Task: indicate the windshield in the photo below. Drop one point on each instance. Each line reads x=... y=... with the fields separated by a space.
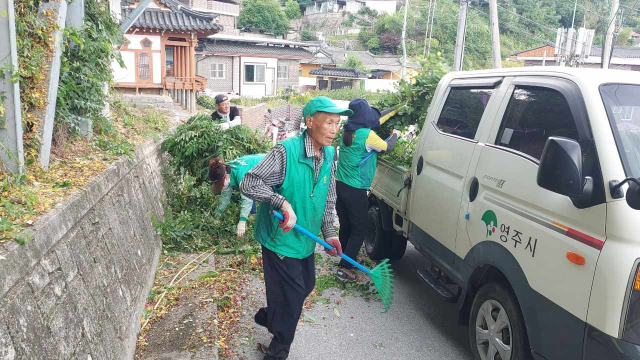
x=622 y=102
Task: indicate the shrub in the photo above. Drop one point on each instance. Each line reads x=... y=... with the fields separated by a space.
x=199 y=140
x=206 y=102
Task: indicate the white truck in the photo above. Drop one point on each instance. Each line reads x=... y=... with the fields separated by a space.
x=523 y=194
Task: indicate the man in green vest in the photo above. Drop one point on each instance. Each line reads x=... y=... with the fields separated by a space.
x=296 y=177
x=226 y=177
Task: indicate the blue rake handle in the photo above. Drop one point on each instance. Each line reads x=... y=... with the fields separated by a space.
x=323 y=243
x=366 y=158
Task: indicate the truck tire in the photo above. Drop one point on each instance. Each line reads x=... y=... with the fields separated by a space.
x=397 y=247
x=377 y=242
x=496 y=325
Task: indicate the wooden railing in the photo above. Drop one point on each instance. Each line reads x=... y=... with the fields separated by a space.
x=197 y=83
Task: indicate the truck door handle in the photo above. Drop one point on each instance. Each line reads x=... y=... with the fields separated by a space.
x=473 y=189
x=419 y=165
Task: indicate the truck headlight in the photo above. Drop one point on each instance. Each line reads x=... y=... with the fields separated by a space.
x=631 y=311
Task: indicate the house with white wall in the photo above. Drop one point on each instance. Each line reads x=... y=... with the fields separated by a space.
x=159 y=53
x=249 y=66
x=350 y=6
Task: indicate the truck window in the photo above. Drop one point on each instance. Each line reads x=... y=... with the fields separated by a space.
x=534 y=114
x=463 y=110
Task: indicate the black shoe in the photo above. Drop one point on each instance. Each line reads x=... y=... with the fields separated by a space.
x=345 y=275
x=261 y=317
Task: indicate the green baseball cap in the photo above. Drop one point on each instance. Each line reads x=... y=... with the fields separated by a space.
x=323 y=104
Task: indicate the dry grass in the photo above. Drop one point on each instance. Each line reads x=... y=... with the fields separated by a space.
x=74 y=162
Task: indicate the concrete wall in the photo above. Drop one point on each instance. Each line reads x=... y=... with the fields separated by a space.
x=77 y=288
x=382 y=7
x=302 y=81
x=380 y=85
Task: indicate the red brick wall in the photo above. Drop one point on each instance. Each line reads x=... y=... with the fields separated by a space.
x=253 y=117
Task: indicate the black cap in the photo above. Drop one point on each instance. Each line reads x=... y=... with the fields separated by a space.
x=220 y=98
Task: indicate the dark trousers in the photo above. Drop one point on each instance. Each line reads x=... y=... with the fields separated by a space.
x=288 y=282
x=352 y=206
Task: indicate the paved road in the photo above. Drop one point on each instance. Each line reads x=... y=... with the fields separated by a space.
x=419 y=325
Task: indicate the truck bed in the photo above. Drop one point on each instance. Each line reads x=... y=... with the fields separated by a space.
x=387 y=182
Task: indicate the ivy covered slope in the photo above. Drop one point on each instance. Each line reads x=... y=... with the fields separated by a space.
x=87 y=55
x=190 y=223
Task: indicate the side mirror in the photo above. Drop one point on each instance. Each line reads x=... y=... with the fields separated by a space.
x=633 y=195
x=560 y=170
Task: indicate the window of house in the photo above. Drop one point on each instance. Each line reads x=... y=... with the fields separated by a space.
x=217 y=71
x=283 y=71
x=146 y=43
x=143 y=66
x=463 y=110
x=532 y=116
x=254 y=73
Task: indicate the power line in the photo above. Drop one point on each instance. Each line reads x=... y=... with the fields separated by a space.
x=551 y=30
x=515 y=29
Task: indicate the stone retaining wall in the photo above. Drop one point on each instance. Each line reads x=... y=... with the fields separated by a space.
x=77 y=288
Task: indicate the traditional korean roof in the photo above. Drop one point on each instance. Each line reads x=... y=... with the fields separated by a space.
x=175 y=16
x=243 y=48
x=339 y=72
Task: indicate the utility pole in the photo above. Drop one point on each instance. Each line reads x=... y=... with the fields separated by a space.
x=575 y=6
x=495 y=34
x=404 y=35
x=426 y=32
x=608 y=43
x=435 y=5
x=462 y=26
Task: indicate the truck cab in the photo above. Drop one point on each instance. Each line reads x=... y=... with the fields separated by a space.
x=523 y=195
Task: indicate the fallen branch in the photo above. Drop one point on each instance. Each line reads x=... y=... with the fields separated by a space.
x=173 y=280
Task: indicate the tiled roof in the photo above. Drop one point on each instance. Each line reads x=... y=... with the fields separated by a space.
x=548 y=43
x=339 y=72
x=231 y=47
x=596 y=50
x=177 y=18
x=320 y=61
x=335 y=56
x=618 y=51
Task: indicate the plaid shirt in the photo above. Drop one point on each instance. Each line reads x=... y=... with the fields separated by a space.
x=258 y=183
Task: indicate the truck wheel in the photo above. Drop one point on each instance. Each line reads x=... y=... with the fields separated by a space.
x=496 y=326
x=397 y=247
x=377 y=241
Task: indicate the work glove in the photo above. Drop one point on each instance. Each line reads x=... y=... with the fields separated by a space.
x=242 y=227
x=290 y=217
x=391 y=143
x=337 y=247
x=224 y=125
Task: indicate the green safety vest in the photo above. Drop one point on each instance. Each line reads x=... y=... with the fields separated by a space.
x=241 y=166
x=348 y=171
x=307 y=197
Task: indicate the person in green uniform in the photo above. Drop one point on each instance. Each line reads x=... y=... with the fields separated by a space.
x=353 y=178
x=296 y=177
x=226 y=178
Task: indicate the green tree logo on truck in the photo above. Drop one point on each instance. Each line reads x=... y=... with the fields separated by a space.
x=491 y=221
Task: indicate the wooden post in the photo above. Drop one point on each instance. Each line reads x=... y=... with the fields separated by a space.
x=183 y=59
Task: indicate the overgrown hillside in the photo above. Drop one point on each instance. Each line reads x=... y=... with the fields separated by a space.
x=523 y=24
